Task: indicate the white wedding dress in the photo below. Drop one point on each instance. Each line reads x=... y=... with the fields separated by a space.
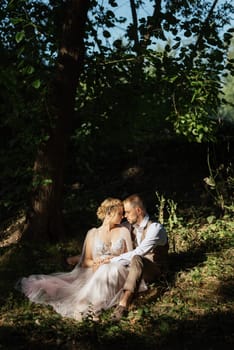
x=81 y=292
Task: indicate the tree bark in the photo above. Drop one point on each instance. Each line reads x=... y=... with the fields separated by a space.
x=45 y=219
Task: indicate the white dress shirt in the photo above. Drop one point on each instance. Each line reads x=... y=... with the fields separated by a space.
x=155 y=235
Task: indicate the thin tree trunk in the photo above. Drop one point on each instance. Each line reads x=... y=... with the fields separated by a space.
x=135 y=26
x=45 y=219
x=154 y=25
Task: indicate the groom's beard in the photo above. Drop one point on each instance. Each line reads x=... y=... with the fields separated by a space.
x=133 y=221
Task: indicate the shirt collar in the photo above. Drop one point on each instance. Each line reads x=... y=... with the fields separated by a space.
x=143 y=223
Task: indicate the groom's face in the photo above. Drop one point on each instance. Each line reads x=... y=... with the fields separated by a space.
x=131 y=213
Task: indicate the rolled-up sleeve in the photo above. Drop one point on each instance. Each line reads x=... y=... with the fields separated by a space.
x=155 y=235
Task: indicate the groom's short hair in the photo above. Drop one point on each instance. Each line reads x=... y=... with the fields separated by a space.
x=136 y=201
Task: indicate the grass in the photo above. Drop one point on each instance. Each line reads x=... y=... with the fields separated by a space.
x=190 y=308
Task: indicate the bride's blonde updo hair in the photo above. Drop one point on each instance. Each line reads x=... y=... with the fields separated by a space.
x=108 y=206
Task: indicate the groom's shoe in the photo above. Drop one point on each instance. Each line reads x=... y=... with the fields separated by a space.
x=119 y=312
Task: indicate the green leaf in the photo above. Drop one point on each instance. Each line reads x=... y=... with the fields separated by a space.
x=210 y=181
x=36 y=84
x=16 y=20
x=227 y=37
x=174 y=47
x=30 y=69
x=110 y=14
x=210 y=219
x=187 y=33
x=19 y=36
x=113 y=3
x=106 y=34
x=47 y=182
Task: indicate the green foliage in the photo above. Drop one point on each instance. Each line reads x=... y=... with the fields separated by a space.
x=24 y=115
x=220 y=183
x=226 y=111
x=195 y=109
x=171 y=82
x=167 y=212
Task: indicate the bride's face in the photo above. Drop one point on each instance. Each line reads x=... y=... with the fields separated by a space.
x=117 y=216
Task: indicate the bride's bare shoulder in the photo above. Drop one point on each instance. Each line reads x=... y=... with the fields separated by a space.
x=91 y=232
x=121 y=231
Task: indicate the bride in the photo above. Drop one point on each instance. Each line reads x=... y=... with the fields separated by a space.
x=94 y=284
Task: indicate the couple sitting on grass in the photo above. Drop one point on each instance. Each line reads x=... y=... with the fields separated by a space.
x=117 y=261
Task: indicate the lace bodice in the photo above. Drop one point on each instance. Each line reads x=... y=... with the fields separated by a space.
x=113 y=248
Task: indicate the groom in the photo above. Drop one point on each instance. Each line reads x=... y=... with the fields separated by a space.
x=149 y=258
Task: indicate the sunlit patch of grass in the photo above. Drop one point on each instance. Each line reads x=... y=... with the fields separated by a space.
x=197 y=291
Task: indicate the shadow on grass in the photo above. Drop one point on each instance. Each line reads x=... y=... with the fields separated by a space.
x=194 y=256
x=12 y=337
x=212 y=331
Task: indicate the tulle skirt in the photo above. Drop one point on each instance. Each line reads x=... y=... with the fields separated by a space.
x=80 y=293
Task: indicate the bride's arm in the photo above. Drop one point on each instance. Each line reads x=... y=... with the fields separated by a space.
x=73 y=260
x=88 y=255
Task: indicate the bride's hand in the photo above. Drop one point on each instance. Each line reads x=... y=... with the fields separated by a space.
x=96 y=264
x=101 y=261
x=107 y=259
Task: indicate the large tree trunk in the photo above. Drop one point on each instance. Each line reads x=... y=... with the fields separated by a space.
x=45 y=219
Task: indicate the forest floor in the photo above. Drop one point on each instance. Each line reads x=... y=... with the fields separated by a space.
x=190 y=308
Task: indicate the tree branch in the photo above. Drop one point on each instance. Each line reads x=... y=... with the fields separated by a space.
x=202 y=31
x=135 y=26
